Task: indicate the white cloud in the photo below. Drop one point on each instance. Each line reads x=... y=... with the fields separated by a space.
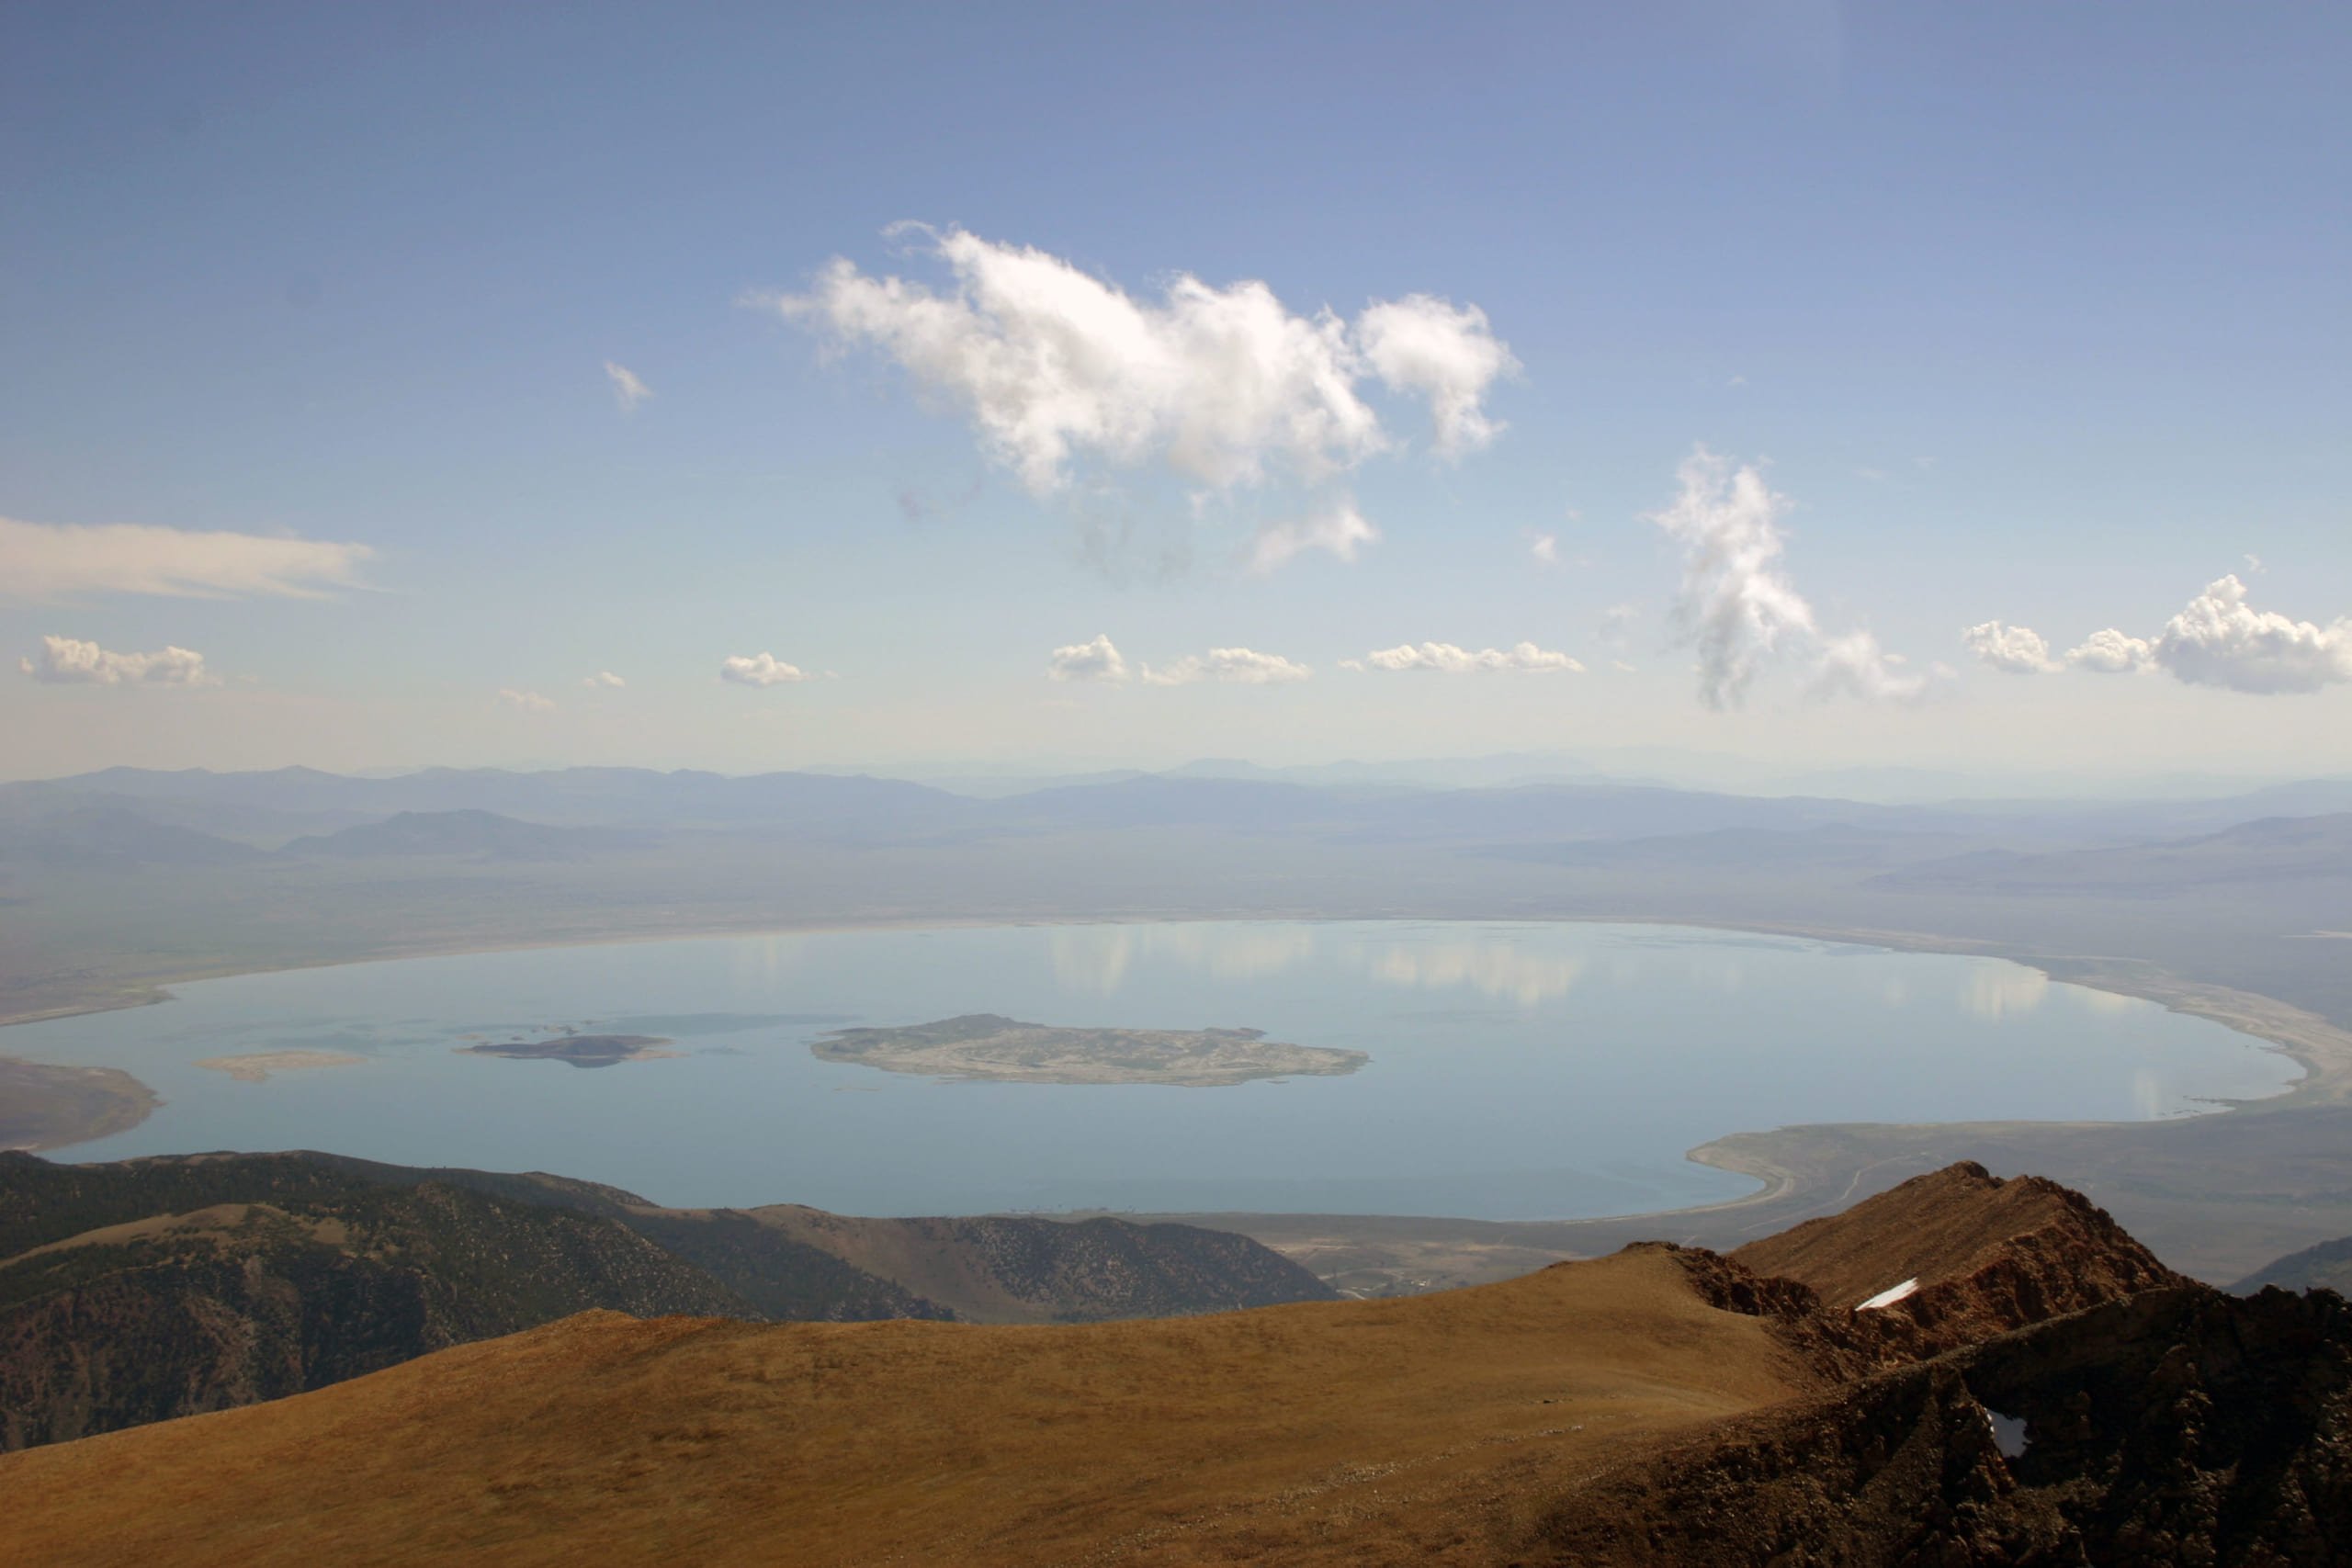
x=2220 y=641
x=1096 y=660
x=527 y=701
x=1224 y=386
x=1625 y=668
x=1617 y=623
x=603 y=680
x=1446 y=659
x=2109 y=652
x=1545 y=549
x=758 y=670
x=66 y=661
x=1737 y=603
x=2018 y=650
x=1241 y=666
x=57 y=561
x=1855 y=666
x=1423 y=345
x=628 y=390
x=1339 y=527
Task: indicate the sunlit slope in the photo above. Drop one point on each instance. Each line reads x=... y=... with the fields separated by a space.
x=1400 y=1431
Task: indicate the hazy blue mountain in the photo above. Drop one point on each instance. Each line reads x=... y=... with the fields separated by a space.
x=2273 y=849
x=96 y=837
x=475 y=833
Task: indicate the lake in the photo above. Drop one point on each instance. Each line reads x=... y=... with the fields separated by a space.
x=1518 y=1070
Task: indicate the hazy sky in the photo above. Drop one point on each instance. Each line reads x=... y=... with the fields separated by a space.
x=1939 y=385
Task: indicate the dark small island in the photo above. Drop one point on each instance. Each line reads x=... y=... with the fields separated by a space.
x=986 y=1045
x=580 y=1050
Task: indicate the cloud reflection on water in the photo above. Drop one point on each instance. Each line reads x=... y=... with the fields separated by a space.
x=1491 y=968
x=1096 y=959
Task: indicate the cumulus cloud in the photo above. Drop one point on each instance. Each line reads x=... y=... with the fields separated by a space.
x=1737 y=604
x=1096 y=660
x=68 y=661
x=1423 y=345
x=526 y=702
x=1544 y=548
x=758 y=670
x=628 y=390
x=1338 y=527
x=1059 y=371
x=2219 y=640
x=2110 y=652
x=604 y=680
x=60 y=560
x=1241 y=666
x=1855 y=666
x=1446 y=659
x=2018 y=650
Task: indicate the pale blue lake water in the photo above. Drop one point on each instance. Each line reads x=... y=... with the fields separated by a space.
x=1518 y=1070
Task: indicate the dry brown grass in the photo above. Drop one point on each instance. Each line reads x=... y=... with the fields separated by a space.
x=1414 y=1430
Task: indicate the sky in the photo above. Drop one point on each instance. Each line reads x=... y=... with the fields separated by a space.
x=744 y=386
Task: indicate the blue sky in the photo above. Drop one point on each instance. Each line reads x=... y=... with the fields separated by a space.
x=2029 y=314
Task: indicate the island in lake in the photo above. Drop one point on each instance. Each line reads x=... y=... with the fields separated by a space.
x=257 y=1065
x=1005 y=1050
x=580 y=1050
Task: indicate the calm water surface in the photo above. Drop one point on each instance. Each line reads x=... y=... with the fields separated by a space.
x=1518 y=1070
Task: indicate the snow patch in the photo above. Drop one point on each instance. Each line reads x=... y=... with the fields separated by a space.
x=1889 y=1297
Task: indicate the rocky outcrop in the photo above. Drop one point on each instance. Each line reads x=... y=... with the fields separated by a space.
x=1987 y=1256
x=2180 y=1425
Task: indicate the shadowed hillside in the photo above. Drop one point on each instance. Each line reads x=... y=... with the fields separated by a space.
x=157 y=1287
x=2326 y=1267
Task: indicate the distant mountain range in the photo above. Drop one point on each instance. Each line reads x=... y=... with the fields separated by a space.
x=124 y=815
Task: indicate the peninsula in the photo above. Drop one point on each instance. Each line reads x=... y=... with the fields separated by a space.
x=46 y=1107
x=1004 y=1050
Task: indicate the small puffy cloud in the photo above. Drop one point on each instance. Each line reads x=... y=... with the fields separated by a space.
x=1446 y=659
x=1423 y=345
x=2110 y=652
x=526 y=702
x=1338 y=528
x=2219 y=640
x=1544 y=548
x=603 y=680
x=1617 y=624
x=1855 y=666
x=68 y=661
x=1222 y=387
x=1625 y=668
x=60 y=560
x=1737 y=604
x=758 y=670
x=1095 y=660
x=1241 y=666
x=628 y=390
x=2016 y=651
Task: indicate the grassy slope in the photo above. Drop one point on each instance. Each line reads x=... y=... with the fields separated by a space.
x=1292 y=1434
